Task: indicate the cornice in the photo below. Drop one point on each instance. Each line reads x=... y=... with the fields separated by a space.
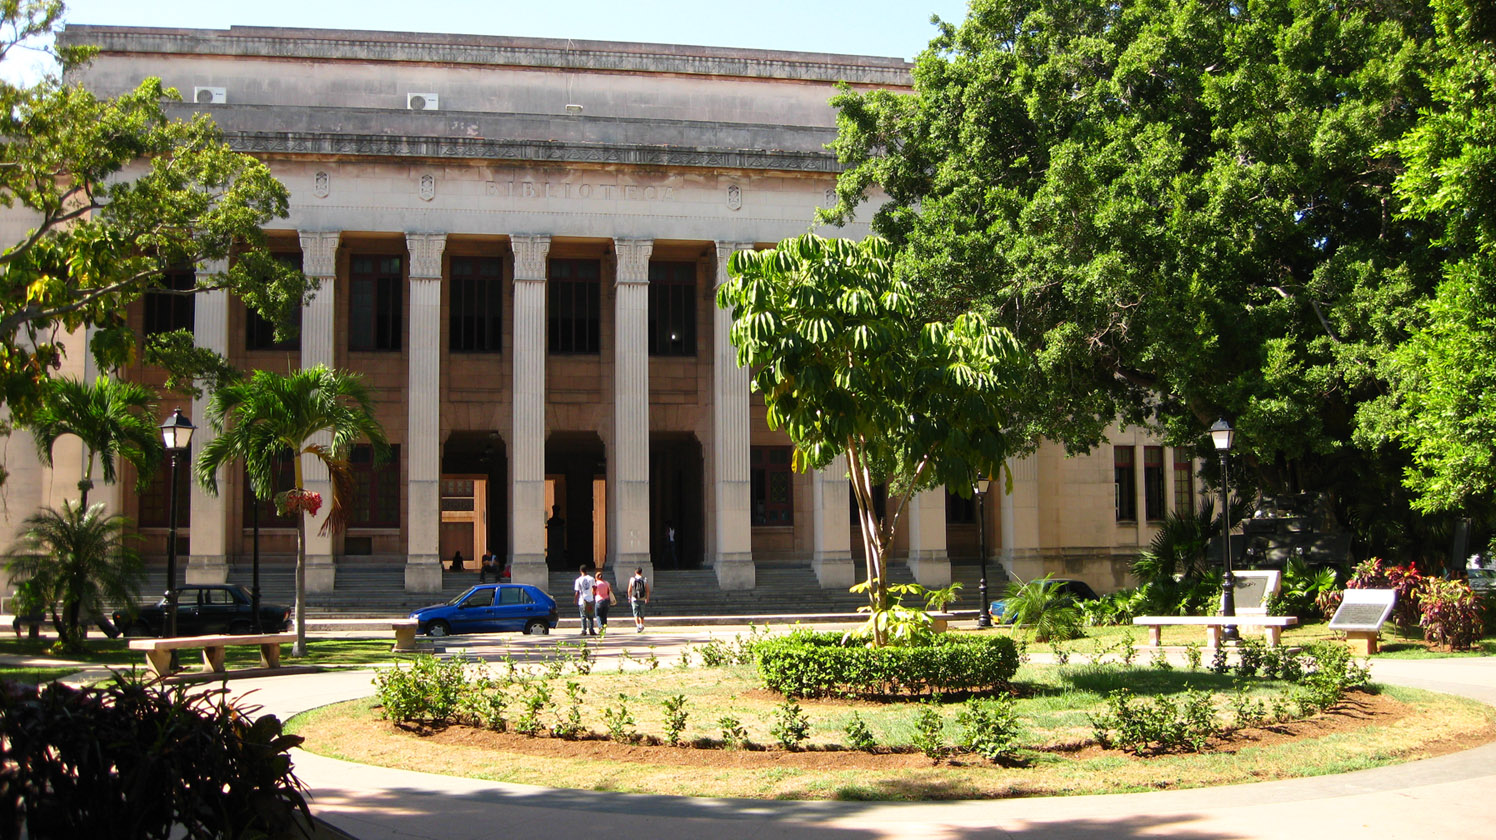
x=539 y=151
x=610 y=56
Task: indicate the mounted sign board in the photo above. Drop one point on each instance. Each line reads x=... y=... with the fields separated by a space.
x=1252 y=589
x=1364 y=609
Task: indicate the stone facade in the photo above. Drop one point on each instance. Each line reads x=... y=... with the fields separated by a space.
x=598 y=189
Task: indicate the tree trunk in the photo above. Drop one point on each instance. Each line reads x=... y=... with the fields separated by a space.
x=299 y=649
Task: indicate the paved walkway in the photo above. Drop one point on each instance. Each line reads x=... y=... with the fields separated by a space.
x=1452 y=796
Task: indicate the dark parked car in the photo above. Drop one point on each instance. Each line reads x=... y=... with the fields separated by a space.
x=1078 y=590
x=204 y=610
x=491 y=607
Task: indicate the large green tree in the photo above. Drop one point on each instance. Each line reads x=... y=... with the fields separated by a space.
x=1183 y=208
x=113 y=419
x=848 y=364
x=260 y=419
x=79 y=557
x=114 y=194
x=1442 y=402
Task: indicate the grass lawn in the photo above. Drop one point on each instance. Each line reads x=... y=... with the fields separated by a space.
x=1057 y=752
x=1396 y=644
x=34 y=676
x=324 y=652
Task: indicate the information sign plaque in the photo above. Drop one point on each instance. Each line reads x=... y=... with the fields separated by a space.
x=1364 y=609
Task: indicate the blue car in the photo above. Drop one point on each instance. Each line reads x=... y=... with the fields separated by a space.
x=489 y=608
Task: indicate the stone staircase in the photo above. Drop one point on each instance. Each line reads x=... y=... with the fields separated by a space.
x=377 y=590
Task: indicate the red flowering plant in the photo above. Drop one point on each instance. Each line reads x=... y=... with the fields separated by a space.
x=1376 y=573
x=1451 y=614
x=298 y=501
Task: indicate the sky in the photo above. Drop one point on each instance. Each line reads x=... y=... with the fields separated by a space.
x=898 y=28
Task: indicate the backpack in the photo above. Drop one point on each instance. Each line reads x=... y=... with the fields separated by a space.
x=638 y=588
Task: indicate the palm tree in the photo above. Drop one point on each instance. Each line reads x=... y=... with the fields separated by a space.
x=113 y=418
x=79 y=557
x=258 y=419
x=1044 y=607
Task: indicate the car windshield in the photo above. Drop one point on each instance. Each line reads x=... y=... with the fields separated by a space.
x=459 y=599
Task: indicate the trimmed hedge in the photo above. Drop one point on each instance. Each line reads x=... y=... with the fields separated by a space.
x=806 y=664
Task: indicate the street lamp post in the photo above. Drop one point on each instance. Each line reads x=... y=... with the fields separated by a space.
x=1222 y=435
x=176 y=433
x=979 y=490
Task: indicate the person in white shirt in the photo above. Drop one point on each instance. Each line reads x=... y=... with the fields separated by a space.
x=586 y=605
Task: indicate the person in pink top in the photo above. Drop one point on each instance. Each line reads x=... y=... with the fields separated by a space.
x=602 y=593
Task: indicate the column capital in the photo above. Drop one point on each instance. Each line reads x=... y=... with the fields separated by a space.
x=633 y=259
x=319 y=252
x=530 y=252
x=725 y=250
x=425 y=254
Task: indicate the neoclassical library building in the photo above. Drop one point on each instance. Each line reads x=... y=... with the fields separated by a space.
x=518 y=242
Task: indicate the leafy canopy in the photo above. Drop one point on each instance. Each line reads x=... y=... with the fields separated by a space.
x=115 y=193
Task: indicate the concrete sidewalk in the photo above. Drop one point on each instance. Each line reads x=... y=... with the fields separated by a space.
x=1452 y=796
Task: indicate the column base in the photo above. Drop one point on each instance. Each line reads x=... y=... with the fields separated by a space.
x=321 y=574
x=423 y=573
x=834 y=570
x=531 y=569
x=207 y=569
x=735 y=571
x=932 y=569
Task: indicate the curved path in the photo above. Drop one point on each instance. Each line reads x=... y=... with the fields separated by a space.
x=1453 y=796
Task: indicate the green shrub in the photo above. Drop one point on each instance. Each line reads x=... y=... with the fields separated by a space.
x=131 y=759
x=990 y=727
x=1160 y=726
x=568 y=724
x=430 y=690
x=806 y=664
x=1043 y=608
x=859 y=736
x=790 y=725
x=484 y=703
x=537 y=697
x=734 y=736
x=929 y=732
x=675 y=718
x=621 y=722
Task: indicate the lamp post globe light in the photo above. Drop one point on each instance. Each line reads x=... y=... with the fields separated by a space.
x=176 y=434
x=1222 y=435
x=979 y=490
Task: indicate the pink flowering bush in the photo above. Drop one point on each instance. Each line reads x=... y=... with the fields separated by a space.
x=298 y=501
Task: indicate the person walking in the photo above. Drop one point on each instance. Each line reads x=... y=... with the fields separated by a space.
x=638 y=596
x=602 y=593
x=586 y=600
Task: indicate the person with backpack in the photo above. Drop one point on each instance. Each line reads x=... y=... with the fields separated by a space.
x=638 y=597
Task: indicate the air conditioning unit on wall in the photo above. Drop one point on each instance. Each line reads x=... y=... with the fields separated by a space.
x=210 y=95
x=421 y=101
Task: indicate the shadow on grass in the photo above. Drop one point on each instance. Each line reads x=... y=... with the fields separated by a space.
x=1140 y=680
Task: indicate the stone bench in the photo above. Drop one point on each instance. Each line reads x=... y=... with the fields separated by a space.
x=1272 y=625
x=405 y=634
x=158 y=651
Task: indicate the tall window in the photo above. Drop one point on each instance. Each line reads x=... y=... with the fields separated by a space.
x=672 y=309
x=1184 y=484
x=285 y=479
x=772 y=485
x=155 y=500
x=259 y=334
x=376 y=287
x=376 y=489
x=1153 y=483
x=166 y=312
x=476 y=307
x=959 y=511
x=1124 y=472
x=575 y=289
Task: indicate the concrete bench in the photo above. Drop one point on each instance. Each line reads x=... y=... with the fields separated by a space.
x=158 y=651
x=1272 y=625
x=405 y=634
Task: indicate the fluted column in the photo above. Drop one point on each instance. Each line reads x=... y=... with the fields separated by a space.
x=1019 y=511
x=207 y=525
x=928 y=559
x=732 y=552
x=319 y=261
x=831 y=535
x=628 y=463
x=423 y=517
x=527 y=449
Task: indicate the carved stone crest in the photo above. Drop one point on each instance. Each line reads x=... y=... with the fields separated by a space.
x=830 y=198
x=734 y=197
x=428 y=187
x=320 y=184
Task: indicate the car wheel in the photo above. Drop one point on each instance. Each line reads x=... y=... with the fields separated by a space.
x=438 y=628
x=137 y=629
x=537 y=627
x=240 y=628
